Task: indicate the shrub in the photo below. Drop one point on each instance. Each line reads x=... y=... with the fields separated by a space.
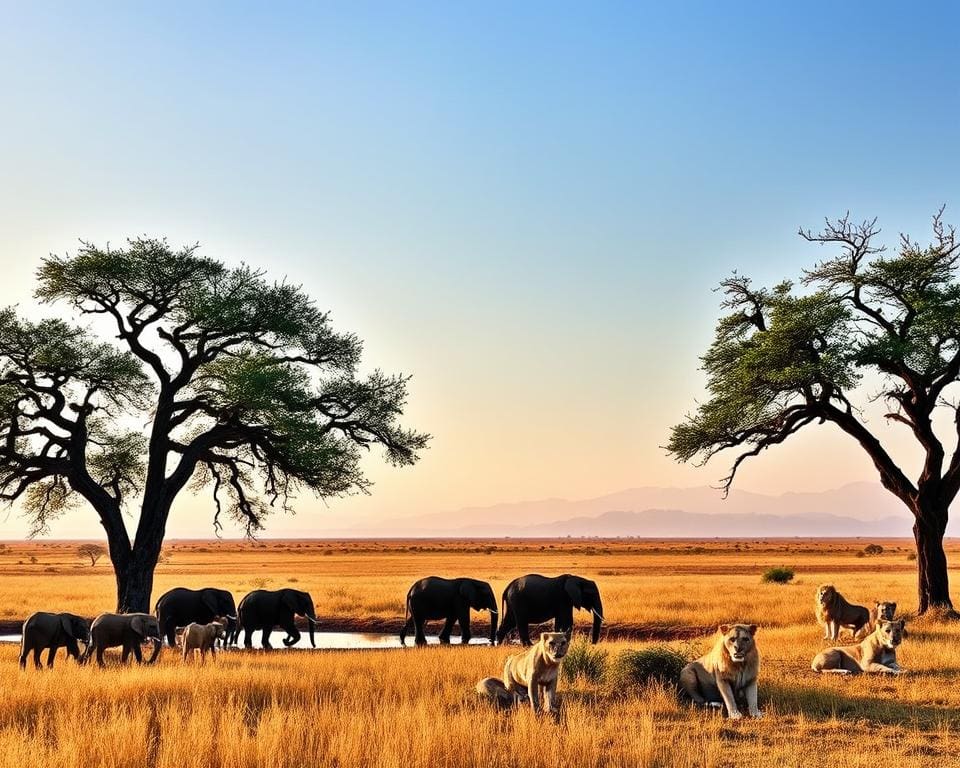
x=656 y=664
x=873 y=549
x=778 y=575
x=911 y=556
x=861 y=553
x=584 y=660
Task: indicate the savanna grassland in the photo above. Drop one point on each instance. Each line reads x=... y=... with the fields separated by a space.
x=416 y=707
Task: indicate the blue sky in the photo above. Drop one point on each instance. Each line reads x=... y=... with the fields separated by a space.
x=525 y=207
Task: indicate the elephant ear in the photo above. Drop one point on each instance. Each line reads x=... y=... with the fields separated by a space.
x=209 y=599
x=572 y=587
x=137 y=624
x=290 y=600
x=67 y=626
x=469 y=593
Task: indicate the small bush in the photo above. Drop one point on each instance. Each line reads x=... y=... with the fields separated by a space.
x=656 y=664
x=778 y=575
x=586 y=661
x=873 y=549
x=911 y=556
x=861 y=553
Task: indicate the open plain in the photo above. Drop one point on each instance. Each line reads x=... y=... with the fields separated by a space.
x=416 y=707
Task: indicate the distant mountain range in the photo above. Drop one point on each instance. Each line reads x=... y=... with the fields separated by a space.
x=857 y=509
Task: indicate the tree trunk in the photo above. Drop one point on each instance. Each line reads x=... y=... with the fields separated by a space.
x=135 y=585
x=933 y=581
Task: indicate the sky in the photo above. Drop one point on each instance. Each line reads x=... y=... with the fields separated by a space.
x=525 y=206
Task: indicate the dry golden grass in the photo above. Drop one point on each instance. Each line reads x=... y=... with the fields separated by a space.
x=415 y=707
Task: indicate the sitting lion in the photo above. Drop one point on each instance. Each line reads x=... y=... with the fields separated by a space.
x=728 y=673
x=527 y=674
x=834 y=613
x=877 y=652
x=201 y=637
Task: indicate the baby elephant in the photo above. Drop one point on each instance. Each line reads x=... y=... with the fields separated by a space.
x=51 y=631
x=203 y=638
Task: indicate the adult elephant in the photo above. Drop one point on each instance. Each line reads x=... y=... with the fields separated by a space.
x=264 y=609
x=182 y=606
x=535 y=598
x=126 y=630
x=51 y=631
x=449 y=599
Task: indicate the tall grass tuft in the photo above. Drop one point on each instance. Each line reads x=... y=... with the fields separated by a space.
x=778 y=575
x=584 y=661
x=658 y=664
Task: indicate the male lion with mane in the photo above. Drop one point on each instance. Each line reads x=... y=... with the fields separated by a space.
x=728 y=673
x=834 y=612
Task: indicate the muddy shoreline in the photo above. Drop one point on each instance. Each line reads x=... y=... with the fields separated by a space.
x=388 y=626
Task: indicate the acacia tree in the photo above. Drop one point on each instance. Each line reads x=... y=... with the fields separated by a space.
x=218 y=377
x=782 y=360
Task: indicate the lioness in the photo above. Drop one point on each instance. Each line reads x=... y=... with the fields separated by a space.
x=834 y=612
x=882 y=611
x=877 y=652
x=201 y=637
x=728 y=673
x=527 y=674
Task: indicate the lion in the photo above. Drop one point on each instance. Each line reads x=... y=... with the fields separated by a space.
x=728 y=673
x=201 y=637
x=834 y=613
x=877 y=652
x=530 y=674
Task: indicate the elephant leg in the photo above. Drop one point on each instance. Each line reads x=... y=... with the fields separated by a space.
x=137 y=653
x=127 y=650
x=171 y=634
x=447 y=627
x=36 y=657
x=247 y=637
x=421 y=639
x=100 y=656
x=51 y=654
x=464 y=621
x=507 y=626
x=523 y=629
x=265 y=637
x=24 y=652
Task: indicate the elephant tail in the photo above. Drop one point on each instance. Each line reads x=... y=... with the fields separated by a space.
x=407 y=621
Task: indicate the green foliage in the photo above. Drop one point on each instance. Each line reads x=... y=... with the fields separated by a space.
x=585 y=661
x=631 y=669
x=778 y=575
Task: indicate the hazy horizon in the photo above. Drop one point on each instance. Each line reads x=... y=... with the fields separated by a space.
x=527 y=214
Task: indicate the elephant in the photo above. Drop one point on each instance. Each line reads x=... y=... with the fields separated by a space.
x=450 y=599
x=535 y=598
x=51 y=630
x=264 y=609
x=182 y=606
x=128 y=630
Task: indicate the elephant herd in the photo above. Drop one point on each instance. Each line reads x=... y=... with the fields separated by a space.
x=528 y=599
x=259 y=610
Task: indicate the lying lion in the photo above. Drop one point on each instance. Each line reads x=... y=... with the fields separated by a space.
x=728 y=673
x=530 y=674
x=834 y=613
x=201 y=637
x=877 y=652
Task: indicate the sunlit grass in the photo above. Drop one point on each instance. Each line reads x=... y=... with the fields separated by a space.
x=416 y=707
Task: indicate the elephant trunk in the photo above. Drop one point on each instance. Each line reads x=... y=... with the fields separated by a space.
x=157 y=644
x=311 y=622
x=493 y=625
x=597 y=611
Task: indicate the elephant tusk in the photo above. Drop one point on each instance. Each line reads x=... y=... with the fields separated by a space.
x=316 y=622
x=494 y=611
x=232 y=618
x=595 y=613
